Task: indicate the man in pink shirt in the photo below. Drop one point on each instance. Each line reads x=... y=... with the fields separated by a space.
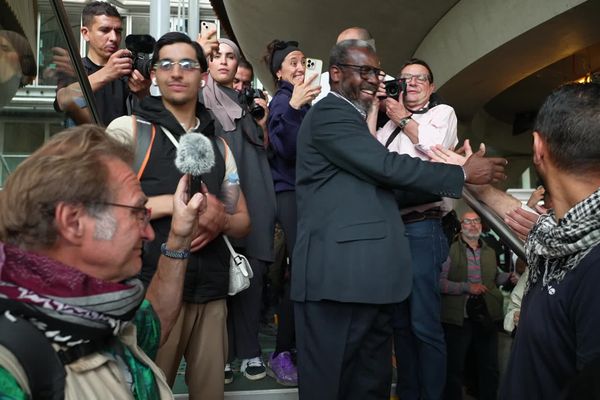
x=417 y=120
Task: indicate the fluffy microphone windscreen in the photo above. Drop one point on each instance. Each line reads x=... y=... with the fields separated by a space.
x=195 y=155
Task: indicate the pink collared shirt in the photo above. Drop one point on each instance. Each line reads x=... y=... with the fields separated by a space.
x=436 y=126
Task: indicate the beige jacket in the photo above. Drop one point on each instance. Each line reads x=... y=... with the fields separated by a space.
x=95 y=376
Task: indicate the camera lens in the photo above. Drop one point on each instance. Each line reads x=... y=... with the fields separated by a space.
x=392 y=89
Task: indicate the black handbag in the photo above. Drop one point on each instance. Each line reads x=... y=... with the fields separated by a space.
x=477 y=312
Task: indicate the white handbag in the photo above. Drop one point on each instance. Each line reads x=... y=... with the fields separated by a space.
x=240 y=271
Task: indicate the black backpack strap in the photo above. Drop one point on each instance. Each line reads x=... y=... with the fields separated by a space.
x=45 y=372
x=392 y=136
x=143 y=136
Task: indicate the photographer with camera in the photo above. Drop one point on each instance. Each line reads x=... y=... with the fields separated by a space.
x=109 y=69
x=417 y=120
x=243 y=76
x=287 y=109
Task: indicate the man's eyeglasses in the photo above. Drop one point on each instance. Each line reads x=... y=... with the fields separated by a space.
x=143 y=214
x=365 y=71
x=422 y=78
x=474 y=221
x=186 y=64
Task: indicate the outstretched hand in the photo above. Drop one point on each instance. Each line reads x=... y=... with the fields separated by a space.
x=439 y=153
x=480 y=170
x=521 y=221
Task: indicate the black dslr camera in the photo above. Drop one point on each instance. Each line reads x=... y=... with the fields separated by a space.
x=394 y=87
x=141 y=48
x=248 y=95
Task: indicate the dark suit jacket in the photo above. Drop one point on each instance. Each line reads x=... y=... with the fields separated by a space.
x=351 y=245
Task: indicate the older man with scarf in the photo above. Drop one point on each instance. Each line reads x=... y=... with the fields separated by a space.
x=248 y=140
x=74 y=323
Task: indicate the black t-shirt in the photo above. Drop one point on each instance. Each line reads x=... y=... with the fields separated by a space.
x=111 y=99
x=559 y=334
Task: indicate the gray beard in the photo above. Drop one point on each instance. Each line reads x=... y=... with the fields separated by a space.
x=472 y=237
x=361 y=106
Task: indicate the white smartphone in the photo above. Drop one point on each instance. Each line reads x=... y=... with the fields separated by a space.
x=206 y=27
x=313 y=67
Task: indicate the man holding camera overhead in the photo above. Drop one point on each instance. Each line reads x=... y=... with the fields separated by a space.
x=110 y=69
x=417 y=119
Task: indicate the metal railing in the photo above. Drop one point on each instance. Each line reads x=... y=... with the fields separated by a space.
x=507 y=236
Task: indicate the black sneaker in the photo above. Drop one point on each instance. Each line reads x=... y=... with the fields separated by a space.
x=228 y=374
x=253 y=368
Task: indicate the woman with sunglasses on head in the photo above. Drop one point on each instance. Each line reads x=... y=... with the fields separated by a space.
x=288 y=107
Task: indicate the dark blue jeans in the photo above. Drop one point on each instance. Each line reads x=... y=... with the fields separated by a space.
x=484 y=345
x=418 y=335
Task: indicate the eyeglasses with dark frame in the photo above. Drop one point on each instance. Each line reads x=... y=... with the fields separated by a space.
x=365 y=71
x=422 y=78
x=143 y=214
x=186 y=64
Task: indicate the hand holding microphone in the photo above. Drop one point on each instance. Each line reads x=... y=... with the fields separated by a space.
x=195 y=157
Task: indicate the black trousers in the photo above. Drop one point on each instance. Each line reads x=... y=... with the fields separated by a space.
x=286 y=215
x=344 y=350
x=484 y=344
x=243 y=316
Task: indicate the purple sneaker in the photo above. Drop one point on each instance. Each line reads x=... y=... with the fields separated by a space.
x=282 y=368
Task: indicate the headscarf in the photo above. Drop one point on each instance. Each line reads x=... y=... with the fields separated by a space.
x=230 y=43
x=224 y=108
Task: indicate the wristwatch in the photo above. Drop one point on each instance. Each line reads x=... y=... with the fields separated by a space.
x=177 y=254
x=404 y=121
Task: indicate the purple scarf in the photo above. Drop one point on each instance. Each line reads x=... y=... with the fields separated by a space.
x=70 y=306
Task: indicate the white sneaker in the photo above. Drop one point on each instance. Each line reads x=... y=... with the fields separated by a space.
x=253 y=368
x=228 y=374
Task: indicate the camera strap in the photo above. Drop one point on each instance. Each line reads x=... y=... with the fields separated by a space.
x=434 y=101
x=247 y=136
x=392 y=136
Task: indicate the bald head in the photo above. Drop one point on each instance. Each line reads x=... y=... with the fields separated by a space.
x=355 y=33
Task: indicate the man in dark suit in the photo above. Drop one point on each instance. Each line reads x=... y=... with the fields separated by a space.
x=351 y=261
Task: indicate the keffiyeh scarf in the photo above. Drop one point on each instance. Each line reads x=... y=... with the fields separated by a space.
x=70 y=307
x=554 y=248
